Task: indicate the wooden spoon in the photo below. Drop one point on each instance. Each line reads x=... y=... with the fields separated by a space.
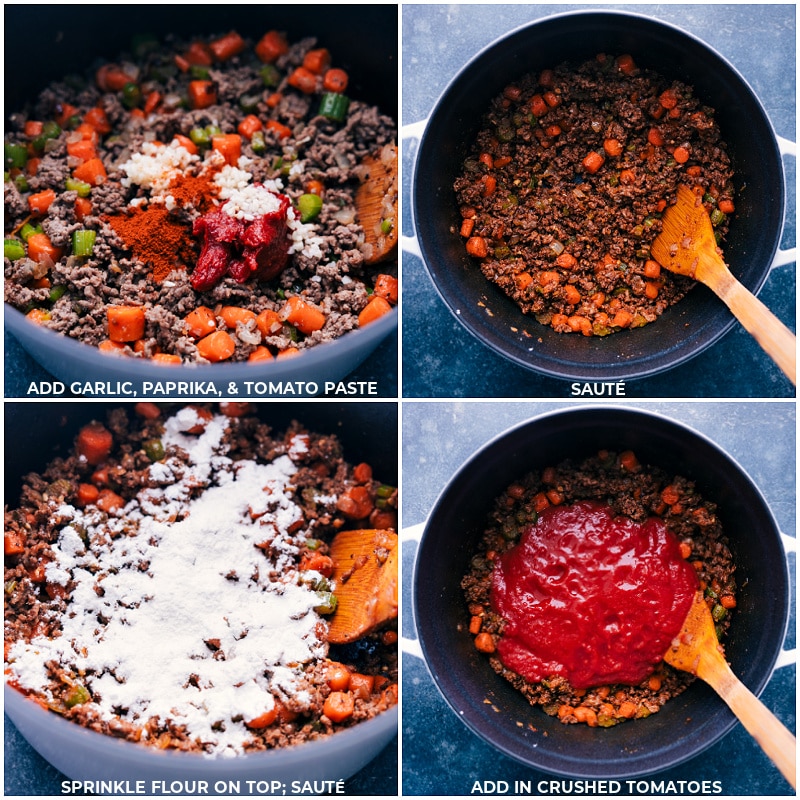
x=696 y=650
x=686 y=245
x=365 y=579
x=376 y=204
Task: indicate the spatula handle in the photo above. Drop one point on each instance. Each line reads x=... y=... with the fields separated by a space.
x=770 y=733
x=773 y=336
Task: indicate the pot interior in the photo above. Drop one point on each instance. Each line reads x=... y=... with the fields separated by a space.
x=699 y=319
x=688 y=723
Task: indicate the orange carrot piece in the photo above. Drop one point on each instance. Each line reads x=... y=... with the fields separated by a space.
x=229 y=145
x=98 y=119
x=726 y=206
x=202 y=94
x=217 y=346
x=593 y=162
x=477 y=247
x=303 y=79
x=166 y=358
x=283 y=131
x=377 y=307
x=14 y=543
x=39 y=202
x=87 y=494
x=317 y=61
x=200 y=322
x=152 y=102
x=83 y=149
x=92 y=172
x=305 y=317
x=109 y=501
x=338 y=706
x=681 y=154
x=335 y=80
x=271 y=46
x=289 y=352
x=227 y=46
x=83 y=208
x=186 y=143
x=40 y=248
x=125 y=323
x=231 y=315
x=94 y=443
x=386 y=286
x=538 y=106
x=249 y=125
x=626 y=64
x=261 y=353
x=263 y=720
x=269 y=322
x=612 y=147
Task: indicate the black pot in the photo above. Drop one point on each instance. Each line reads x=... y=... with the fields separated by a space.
x=684 y=330
x=487 y=704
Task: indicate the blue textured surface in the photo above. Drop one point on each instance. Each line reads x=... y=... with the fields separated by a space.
x=440 y=755
x=441 y=359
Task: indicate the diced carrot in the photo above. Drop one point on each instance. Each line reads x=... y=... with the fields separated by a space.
x=231 y=315
x=283 y=131
x=87 y=494
x=725 y=205
x=628 y=461
x=668 y=99
x=727 y=601
x=612 y=147
x=113 y=348
x=317 y=562
x=489 y=185
x=377 y=307
x=552 y=99
x=83 y=208
x=592 y=162
x=166 y=358
x=652 y=269
x=40 y=248
x=654 y=137
x=670 y=495
x=467 y=226
x=386 y=286
x=538 y=106
x=317 y=61
x=269 y=322
x=83 y=149
x=572 y=295
x=338 y=706
x=289 y=352
x=261 y=353
x=315 y=187
x=304 y=316
x=477 y=247
x=92 y=172
x=32 y=165
x=227 y=46
x=361 y=685
x=33 y=128
x=200 y=322
x=217 y=346
x=304 y=80
x=547 y=276
x=186 y=143
x=64 y=113
x=263 y=720
x=622 y=319
x=651 y=289
x=98 y=119
x=87 y=132
x=109 y=501
x=39 y=202
x=681 y=154
x=229 y=145
x=38 y=315
x=125 y=323
x=627 y=177
x=152 y=102
x=335 y=80
x=487 y=160
x=199 y=54
x=484 y=642
x=523 y=280
x=274 y=99
x=580 y=324
x=112 y=78
x=475 y=624
x=14 y=543
x=147 y=410
x=181 y=63
x=94 y=443
x=271 y=46
x=503 y=161
x=202 y=94
x=626 y=64
x=566 y=261
x=685 y=550
x=249 y=125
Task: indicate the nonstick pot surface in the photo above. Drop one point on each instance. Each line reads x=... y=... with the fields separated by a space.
x=688 y=724
x=684 y=330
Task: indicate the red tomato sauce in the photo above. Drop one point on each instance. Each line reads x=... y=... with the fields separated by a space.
x=591 y=597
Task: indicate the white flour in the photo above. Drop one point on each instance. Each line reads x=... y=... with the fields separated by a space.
x=170 y=588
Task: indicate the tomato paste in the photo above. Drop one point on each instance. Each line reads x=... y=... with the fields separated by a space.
x=592 y=597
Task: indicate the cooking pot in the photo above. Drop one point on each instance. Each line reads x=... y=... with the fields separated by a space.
x=35 y=435
x=486 y=703
x=363 y=40
x=686 y=329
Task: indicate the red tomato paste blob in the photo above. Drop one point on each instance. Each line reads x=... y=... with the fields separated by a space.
x=592 y=597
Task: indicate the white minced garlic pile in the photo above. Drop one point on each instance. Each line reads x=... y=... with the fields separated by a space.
x=157 y=619
x=157 y=166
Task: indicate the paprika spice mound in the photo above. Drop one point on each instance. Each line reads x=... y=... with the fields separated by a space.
x=156 y=237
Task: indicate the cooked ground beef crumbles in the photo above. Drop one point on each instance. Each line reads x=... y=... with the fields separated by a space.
x=200 y=536
x=197 y=202
x=563 y=191
x=637 y=493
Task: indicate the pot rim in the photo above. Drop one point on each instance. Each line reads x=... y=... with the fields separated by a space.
x=615 y=368
x=585 y=767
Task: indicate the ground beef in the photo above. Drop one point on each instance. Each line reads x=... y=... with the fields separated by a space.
x=563 y=191
x=72 y=295
x=36 y=605
x=633 y=490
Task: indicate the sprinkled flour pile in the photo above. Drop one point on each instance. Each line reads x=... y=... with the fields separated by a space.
x=186 y=606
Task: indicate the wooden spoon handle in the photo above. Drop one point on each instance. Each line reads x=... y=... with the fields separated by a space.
x=770 y=733
x=773 y=336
